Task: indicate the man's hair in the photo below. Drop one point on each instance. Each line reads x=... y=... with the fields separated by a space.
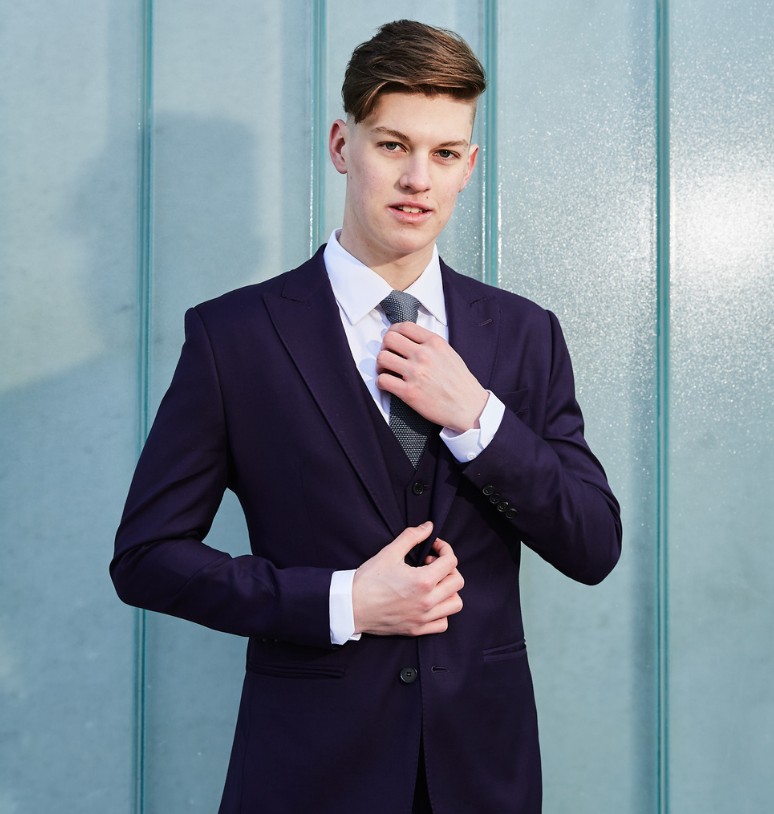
x=410 y=57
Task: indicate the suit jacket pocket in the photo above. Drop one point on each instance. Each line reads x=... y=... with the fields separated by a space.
x=505 y=652
x=273 y=657
x=290 y=670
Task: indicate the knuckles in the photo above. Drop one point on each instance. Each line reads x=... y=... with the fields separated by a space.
x=426 y=604
x=425 y=583
x=385 y=359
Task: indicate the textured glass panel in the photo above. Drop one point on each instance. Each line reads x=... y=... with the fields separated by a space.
x=232 y=101
x=577 y=172
x=461 y=243
x=68 y=174
x=721 y=430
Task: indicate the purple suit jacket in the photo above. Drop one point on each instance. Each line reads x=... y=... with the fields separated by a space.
x=267 y=402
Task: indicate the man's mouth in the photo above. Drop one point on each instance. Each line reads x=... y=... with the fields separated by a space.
x=412 y=210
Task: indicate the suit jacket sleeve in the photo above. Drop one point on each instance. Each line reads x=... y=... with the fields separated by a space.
x=160 y=561
x=543 y=478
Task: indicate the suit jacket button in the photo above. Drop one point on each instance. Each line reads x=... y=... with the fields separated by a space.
x=408 y=675
x=495 y=498
x=488 y=490
x=418 y=488
x=510 y=514
x=502 y=506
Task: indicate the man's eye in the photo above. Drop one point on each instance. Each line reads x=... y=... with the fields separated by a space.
x=446 y=154
x=392 y=146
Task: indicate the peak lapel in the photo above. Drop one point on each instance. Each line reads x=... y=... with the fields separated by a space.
x=306 y=317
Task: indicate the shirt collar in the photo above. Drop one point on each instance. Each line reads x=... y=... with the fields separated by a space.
x=358 y=289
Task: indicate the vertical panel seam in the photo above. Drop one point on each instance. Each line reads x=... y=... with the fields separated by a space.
x=144 y=273
x=491 y=203
x=663 y=236
x=318 y=113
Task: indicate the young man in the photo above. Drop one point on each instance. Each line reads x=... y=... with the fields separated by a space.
x=394 y=432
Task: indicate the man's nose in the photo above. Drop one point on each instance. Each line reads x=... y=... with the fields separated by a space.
x=416 y=175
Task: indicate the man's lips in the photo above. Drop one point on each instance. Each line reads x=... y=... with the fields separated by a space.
x=410 y=209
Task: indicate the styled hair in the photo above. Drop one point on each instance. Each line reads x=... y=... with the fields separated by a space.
x=410 y=57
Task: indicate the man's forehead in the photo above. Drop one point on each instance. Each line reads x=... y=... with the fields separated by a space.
x=410 y=116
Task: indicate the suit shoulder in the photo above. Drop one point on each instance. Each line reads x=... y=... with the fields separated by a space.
x=507 y=300
x=249 y=299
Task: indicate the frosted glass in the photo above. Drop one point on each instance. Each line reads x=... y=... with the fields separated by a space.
x=576 y=152
x=230 y=206
x=721 y=721
x=243 y=93
x=68 y=159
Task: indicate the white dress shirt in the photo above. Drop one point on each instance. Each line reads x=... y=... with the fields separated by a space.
x=359 y=291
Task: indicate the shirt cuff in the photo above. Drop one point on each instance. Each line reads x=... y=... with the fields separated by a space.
x=468 y=445
x=342 y=617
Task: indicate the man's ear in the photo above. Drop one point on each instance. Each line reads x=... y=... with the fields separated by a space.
x=337 y=142
x=472 y=156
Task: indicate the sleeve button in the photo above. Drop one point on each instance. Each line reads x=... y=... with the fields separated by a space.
x=488 y=490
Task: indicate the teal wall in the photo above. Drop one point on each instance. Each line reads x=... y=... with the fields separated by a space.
x=153 y=154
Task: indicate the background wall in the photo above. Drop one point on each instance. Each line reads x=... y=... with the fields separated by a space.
x=153 y=154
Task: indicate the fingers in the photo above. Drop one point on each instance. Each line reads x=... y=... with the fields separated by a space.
x=441 y=567
x=397 y=339
x=414 y=332
x=398 y=347
x=442 y=582
x=436 y=618
x=447 y=590
x=395 y=353
x=410 y=537
x=441 y=562
x=441 y=547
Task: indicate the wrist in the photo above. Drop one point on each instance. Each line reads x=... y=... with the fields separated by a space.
x=469 y=419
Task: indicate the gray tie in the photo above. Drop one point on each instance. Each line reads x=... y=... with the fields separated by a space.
x=410 y=428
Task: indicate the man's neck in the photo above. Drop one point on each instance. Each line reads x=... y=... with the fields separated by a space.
x=399 y=271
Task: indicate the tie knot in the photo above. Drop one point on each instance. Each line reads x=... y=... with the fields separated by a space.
x=400 y=307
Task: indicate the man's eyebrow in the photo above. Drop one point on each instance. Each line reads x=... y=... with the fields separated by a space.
x=396 y=134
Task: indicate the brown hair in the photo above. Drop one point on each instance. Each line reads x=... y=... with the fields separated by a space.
x=410 y=57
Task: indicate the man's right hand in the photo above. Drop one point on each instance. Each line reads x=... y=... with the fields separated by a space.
x=390 y=597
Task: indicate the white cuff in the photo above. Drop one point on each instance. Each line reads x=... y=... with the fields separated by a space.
x=468 y=445
x=342 y=617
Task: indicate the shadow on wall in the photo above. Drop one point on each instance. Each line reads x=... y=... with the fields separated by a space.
x=67 y=452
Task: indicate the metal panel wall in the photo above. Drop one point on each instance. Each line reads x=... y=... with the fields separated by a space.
x=721 y=427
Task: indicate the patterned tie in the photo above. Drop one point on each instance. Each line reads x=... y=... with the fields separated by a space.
x=410 y=428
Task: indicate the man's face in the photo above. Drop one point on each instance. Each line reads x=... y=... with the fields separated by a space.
x=405 y=165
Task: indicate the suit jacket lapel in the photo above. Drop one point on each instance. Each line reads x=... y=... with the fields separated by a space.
x=473 y=319
x=307 y=321
x=306 y=317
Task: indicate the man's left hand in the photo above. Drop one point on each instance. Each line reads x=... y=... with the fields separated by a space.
x=423 y=370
